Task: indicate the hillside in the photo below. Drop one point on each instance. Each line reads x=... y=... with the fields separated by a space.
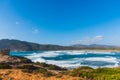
x=95 y=46
x=26 y=46
x=17 y=45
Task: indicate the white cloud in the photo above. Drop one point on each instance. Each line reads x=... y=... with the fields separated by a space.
x=89 y=40
x=35 y=31
x=16 y=22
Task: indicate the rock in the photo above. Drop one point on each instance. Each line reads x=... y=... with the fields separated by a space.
x=8 y=59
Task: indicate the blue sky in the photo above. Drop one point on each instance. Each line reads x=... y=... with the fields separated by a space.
x=62 y=22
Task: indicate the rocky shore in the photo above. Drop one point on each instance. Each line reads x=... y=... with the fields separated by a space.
x=20 y=68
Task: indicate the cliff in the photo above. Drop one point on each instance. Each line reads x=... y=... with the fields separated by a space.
x=6 y=58
x=4 y=51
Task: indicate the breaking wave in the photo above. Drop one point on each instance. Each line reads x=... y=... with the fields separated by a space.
x=73 y=59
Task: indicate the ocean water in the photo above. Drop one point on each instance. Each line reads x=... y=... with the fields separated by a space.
x=73 y=59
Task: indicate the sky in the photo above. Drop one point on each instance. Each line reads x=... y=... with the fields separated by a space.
x=62 y=22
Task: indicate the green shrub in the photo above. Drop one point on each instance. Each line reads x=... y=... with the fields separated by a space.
x=50 y=66
x=24 y=60
x=4 y=66
x=85 y=68
x=41 y=70
x=96 y=74
x=54 y=67
x=28 y=68
x=45 y=72
x=48 y=74
x=32 y=68
x=42 y=64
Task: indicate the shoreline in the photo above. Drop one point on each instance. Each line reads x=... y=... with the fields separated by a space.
x=87 y=50
x=91 y=50
x=76 y=52
x=43 y=71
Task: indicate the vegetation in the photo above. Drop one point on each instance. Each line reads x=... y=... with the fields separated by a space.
x=24 y=60
x=96 y=74
x=50 y=66
x=4 y=66
x=28 y=68
x=85 y=72
x=34 y=69
x=45 y=72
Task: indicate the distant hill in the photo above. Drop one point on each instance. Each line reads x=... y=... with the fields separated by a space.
x=26 y=46
x=17 y=45
x=95 y=46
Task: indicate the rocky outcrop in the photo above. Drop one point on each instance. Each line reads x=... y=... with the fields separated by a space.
x=5 y=58
x=4 y=51
x=8 y=59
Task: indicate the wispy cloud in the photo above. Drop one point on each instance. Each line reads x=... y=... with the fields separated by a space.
x=98 y=38
x=89 y=40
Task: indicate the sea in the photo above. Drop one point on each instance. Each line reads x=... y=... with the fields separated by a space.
x=73 y=59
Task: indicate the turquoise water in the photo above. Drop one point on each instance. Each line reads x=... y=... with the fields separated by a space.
x=72 y=59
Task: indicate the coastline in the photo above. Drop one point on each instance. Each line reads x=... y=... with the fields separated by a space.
x=89 y=50
x=76 y=57
x=82 y=50
x=43 y=71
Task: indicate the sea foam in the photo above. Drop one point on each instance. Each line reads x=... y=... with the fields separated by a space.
x=74 y=62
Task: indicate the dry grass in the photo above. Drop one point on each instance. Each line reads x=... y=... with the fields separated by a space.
x=17 y=74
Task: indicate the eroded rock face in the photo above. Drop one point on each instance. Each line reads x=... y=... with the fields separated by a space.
x=5 y=58
x=4 y=51
x=8 y=59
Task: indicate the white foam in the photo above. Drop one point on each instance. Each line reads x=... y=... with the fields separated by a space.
x=67 y=64
x=116 y=65
x=44 y=54
x=72 y=63
x=39 y=60
x=105 y=59
x=73 y=52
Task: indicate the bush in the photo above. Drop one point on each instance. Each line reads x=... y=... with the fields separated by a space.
x=28 y=68
x=45 y=72
x=54 y=67
x=82 y=71
x=85 y=68
x=42 y=64
x=24 y=60
x=4 y=66
x=96 y=74
x=32 y=68
x=50 y=66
